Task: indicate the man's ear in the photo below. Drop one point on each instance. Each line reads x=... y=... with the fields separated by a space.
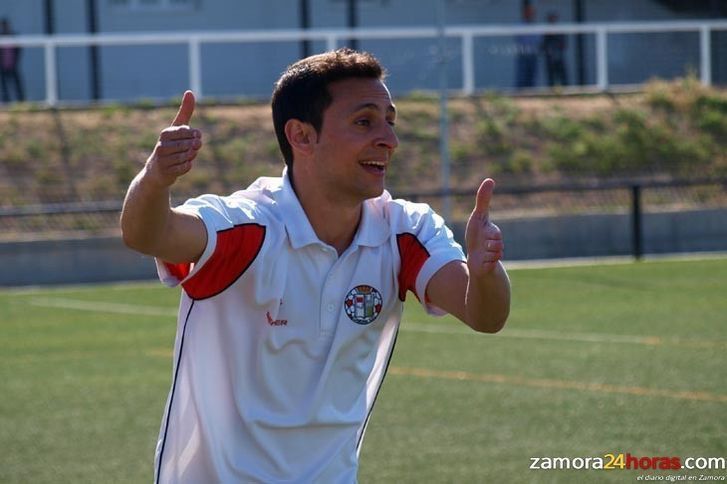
x=301 y=136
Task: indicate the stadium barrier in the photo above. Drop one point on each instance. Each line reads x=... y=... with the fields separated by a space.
x=636 y=227
x=333 y=38
x=635 y=232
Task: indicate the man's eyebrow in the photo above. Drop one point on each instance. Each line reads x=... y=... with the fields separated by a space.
x=365 y=106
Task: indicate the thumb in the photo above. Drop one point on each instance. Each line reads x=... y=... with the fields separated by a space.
x=484 y=195
x=185 y=109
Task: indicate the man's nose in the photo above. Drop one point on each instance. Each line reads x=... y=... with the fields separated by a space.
x=389 y=138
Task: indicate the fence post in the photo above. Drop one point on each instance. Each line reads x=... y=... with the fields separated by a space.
x=443 y=109
x=602 y=59
x=195 y=67
x=636 y=226
x=468 y=65
x=51 y=75
x=705 y=52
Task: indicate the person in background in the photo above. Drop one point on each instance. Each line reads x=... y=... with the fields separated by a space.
x=554 y=46
x=9 y=59
x=528 y=48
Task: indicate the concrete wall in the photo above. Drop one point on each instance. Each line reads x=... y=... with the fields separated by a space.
x=71 y=261
x=592 y=235
x=106 y=259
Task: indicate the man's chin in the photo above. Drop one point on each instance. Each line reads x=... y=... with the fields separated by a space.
x=375 y=193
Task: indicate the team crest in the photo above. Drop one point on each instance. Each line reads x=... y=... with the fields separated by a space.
x=363 y=304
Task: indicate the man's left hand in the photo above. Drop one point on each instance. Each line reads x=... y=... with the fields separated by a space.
x=482 y=237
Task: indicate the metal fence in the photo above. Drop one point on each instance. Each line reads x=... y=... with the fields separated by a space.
x=332 y=38
x=635 y=197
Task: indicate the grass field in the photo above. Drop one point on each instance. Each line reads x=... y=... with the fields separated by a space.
x=603 y=359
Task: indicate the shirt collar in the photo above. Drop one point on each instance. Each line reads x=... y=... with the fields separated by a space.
x=372 y=231
x=300 y=231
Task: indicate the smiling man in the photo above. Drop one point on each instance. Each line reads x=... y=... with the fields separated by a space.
x=293 y=289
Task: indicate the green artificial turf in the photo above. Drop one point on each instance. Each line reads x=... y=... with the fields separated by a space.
x=626 y=358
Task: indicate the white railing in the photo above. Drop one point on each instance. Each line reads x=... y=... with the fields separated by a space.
x=334 y=37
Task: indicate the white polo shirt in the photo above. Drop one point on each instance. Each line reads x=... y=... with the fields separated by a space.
x=281 y=344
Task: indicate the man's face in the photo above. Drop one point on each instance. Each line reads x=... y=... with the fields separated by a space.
x=356 y=141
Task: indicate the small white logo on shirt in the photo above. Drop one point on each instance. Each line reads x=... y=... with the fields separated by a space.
x=363 y=304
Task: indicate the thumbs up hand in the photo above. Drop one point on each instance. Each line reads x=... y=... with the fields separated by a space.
x=177 y=146
x=482 y=237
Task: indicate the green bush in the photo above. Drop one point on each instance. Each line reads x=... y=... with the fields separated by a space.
x=521 y=163
x=676 y=128
x=659 y=96
x=713 y=122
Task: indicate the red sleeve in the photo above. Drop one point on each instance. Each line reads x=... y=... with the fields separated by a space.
x=413 y=255
x=235 y=251
x=180 y=271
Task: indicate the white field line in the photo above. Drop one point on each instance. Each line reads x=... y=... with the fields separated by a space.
x=103 y=307
x=581 y=337
x=509 y=265
x=610 y=260
x=51 y=289
x=539 y=334
x=559 y=384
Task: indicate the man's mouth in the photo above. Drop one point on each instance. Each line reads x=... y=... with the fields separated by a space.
x=374 y=166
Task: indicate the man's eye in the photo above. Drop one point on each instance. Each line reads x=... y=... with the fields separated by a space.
x=363 y=122
x=391 y=123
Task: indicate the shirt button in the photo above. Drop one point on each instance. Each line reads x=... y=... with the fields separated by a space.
x=331 y=308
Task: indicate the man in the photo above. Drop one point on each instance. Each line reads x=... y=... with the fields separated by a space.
x=293 y=289
x=554 y=46
x=528 y=46
x=9 y=58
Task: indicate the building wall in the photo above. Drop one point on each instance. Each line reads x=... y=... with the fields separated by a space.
x=249 y=70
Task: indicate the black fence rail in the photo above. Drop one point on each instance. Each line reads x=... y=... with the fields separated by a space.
x=511 y=201
x=57 y=219
x=65 y=208
x=713 y=194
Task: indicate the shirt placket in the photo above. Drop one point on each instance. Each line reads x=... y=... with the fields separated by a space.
x=331 y=295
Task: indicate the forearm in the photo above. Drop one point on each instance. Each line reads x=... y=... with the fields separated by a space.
x=145 y=214
x=478 y=292
x=487 y=300
x=148 y=223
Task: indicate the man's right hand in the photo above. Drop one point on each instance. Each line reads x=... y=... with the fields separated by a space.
x=148 y=224
x=176 y=148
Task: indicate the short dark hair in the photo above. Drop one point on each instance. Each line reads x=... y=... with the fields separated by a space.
x=302 y=91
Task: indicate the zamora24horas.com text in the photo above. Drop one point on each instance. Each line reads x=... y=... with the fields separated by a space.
x=628 y=461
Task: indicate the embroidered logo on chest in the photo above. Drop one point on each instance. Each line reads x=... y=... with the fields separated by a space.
x=363 y=304
x=276 y=322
